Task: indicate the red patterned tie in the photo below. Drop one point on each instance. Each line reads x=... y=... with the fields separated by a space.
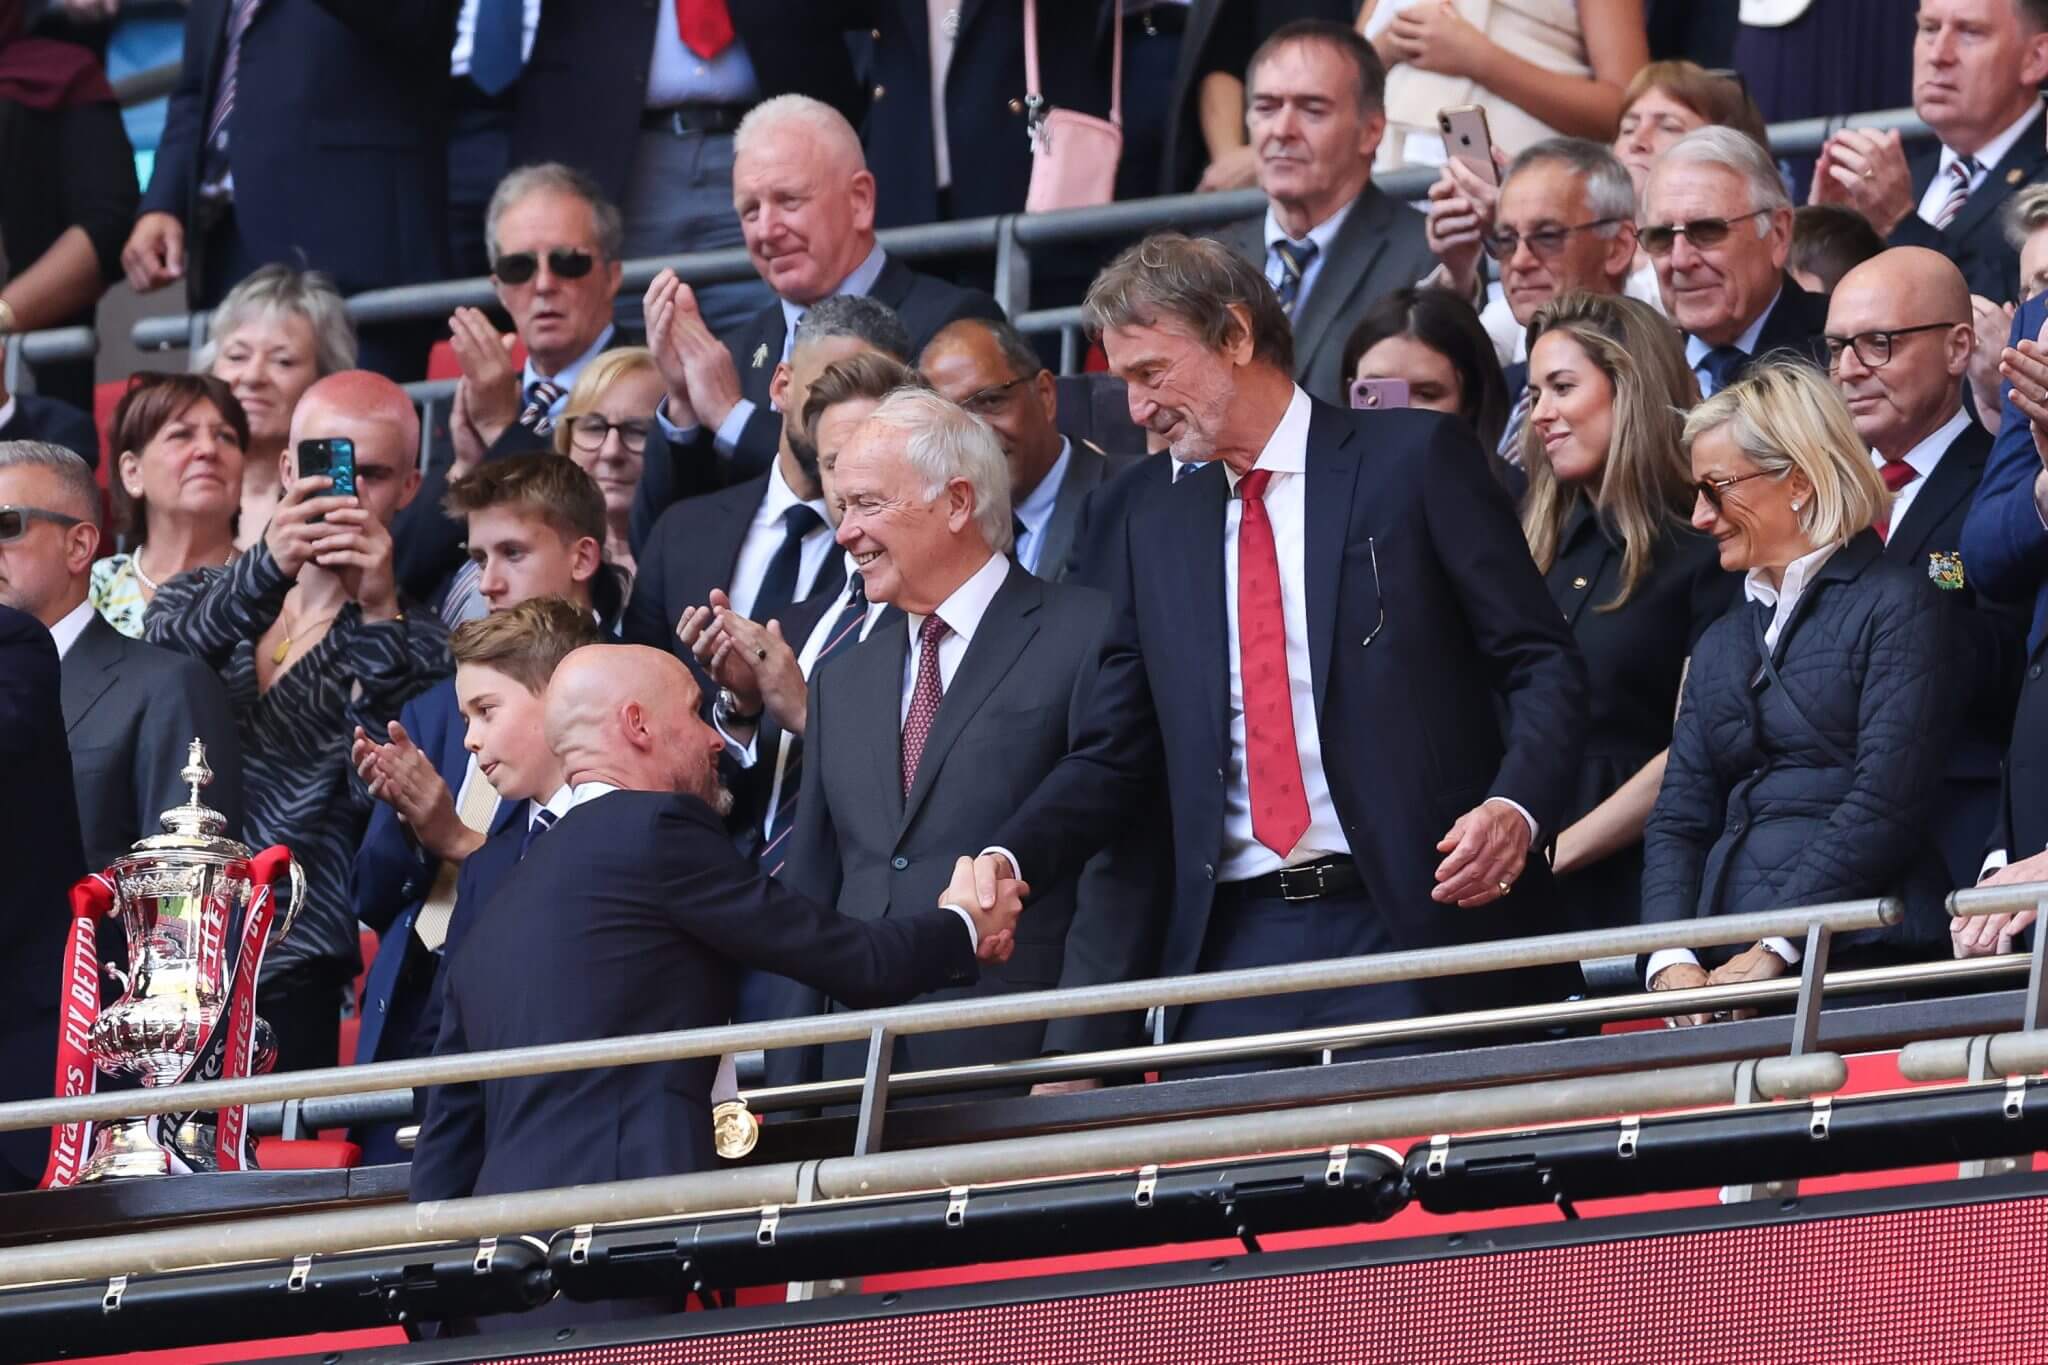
x=925 y=696
x=1896 y=475
x=1272 y=762
x=706 y=26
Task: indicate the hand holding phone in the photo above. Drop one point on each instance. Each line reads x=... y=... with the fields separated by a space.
x=334 y=457
x=1469 y=141
x=1379 y=393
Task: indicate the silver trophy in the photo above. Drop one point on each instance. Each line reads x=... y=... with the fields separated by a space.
x=182 y=896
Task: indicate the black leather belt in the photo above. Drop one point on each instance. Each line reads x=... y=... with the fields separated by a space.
x=1308 y=882
x=694 y=118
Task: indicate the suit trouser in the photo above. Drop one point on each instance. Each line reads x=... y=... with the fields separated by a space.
x=679 y=198
x=1268 y=931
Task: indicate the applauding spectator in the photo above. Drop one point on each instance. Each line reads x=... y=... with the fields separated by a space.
x=179 y=441
x=313 y=640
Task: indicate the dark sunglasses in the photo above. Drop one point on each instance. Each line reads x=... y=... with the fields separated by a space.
x=14 y=521
x=517 y=267
x=1701 y=232
x=1544 y=242
x=1874 y=349
x=1712 y=489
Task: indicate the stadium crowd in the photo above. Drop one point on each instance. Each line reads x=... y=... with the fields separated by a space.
x=1691 y=559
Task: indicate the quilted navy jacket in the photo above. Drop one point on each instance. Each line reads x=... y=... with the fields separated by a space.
x=1761 y=810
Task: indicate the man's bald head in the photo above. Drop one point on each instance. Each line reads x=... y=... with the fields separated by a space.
x=627 y=715
x=373 y=413
x=1913 y=306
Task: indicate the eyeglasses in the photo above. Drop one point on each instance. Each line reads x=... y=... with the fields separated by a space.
x=518 y=267
x=1712 y=489
x=14 y=521
x=1701 y=232
x=589 y=431
x=1874 y=349
x=1545 y=242
x=990 y=401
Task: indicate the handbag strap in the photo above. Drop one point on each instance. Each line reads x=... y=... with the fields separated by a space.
x=1034 y=93
x=1827 y=746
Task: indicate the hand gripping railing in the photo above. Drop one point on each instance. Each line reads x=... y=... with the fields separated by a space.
x=2002 y=1054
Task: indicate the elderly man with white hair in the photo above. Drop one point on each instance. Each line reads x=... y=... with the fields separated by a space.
x=924 y=737
x=1717 y=224
x=806 y=205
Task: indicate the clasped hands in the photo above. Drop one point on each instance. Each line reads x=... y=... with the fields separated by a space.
x=1753 y=964
x=750 y=660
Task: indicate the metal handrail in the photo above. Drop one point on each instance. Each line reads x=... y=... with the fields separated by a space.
x=893 y=1173
x=940 y=1016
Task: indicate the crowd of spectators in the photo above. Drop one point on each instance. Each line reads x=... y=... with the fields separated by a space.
x=1707 y=571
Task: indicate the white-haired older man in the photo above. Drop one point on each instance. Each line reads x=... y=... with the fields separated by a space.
x=924 y=737
x=806 y=205
x=1718 y=225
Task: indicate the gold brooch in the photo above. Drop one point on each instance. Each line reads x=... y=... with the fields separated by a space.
x=734 y=1128
x=1945 y=570
x=760 y=355
x=2014 y=176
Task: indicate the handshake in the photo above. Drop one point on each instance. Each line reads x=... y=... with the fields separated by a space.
x=985 y=890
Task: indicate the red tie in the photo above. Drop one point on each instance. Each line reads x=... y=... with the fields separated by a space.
x=706 y=26
x=1896 y=475
x=1272 y=762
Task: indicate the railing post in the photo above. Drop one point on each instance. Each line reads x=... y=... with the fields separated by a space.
x=1013 y=267
x=196 y=331
x=11 y=373
x=1980 y=1070
x=2031 y=1016
x=874 y=1093
x=1070 y=350
x=1813 y=970
x=1746 y=1094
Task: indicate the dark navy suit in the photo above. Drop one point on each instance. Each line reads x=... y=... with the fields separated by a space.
x=1975 y=241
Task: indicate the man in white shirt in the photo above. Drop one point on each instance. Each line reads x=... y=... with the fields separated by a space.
x=1978 y=67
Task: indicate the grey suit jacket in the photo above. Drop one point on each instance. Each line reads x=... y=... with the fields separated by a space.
x=131 y=711
x=1014 y=706
x=1380 y=248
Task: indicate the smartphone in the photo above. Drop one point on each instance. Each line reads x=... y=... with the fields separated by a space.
x=1379 y=393
x=336 y=458
x=1467 y=139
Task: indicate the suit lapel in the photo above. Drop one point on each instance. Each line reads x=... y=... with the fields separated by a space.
x=1005 y=629
x=757 y=363
x=1584 y=550
x=93 y=665
x=1347 y=270
x=1954 y=481
x=1197 y=618
x=893 y=285
x=1332 y=475
x=2024 y=156
x=870 y=676
x=1085 y=469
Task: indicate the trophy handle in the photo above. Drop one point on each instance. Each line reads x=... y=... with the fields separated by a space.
x=291 y=909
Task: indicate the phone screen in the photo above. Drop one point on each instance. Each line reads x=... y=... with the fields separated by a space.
x=336 y=458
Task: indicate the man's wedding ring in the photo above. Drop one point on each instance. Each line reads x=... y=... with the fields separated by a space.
x=760 y=654
x=1505 y=887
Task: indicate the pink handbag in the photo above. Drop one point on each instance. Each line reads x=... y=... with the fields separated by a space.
x=1073 y=156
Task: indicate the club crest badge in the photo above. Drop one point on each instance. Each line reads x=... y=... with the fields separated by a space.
x=760 y=355
x=1945 y=571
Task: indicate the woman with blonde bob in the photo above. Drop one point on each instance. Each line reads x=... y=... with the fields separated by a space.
x=1808 y=748
x=1605 y=516
x=604 y=430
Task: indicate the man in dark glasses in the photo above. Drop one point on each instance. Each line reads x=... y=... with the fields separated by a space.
x=1718 y=226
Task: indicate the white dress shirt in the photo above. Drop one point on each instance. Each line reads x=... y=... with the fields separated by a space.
x=806 y=660
x=676 y=75
x=1988 y=156
x=943 y=23
x=1036 y=510
x=70 y=626
x=962 y=613
x=465 y=35
x=7 y=411
x=1783 y=599
x=557 y=805
x=1696 y=350
x=765 y=536
x=1924 y=457
x=1322 y=234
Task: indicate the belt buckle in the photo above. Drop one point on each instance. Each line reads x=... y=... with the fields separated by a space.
x=1289 y=875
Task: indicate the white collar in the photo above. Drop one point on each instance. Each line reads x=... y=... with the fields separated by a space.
x=1926 y=455
x=560 y=803
x=565 y=378
x=962 y=612
x=1798 y=574
x=1322 y=234
x=859 y=281
x=7 y=410
x=1992 y=152
x=1036 y=509
x=1696 y=350
x=1286 y=449
x=780 y=497
x=582 y=794
x=70 y=626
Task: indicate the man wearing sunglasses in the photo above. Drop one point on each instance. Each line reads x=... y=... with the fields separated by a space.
x=1899 y=344
x=1718 y=226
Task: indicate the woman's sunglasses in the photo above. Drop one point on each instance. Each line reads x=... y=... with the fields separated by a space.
x=1712 y=489
x=517 y=267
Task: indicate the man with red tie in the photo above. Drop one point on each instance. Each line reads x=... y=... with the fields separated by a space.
x=1367 y=710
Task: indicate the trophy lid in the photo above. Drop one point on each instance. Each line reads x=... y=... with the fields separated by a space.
x=194 y=827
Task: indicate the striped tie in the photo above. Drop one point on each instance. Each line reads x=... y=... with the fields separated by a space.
x=1510 y=448
x=536 y=416
x=1964 y=170
x=843 y=634
x=543 y=821
x=464 y=600
x=216 y=146
x=1295 y=259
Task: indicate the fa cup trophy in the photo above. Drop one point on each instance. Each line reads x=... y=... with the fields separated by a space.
x=197 y=909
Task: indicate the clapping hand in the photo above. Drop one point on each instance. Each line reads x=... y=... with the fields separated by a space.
x=490 y=380
x=403 y=778
x=995 y=916
x=1865 y=170
x=2025 y=367
x=702 y=380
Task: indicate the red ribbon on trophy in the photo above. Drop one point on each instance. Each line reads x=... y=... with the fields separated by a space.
x=268 y=871
x=92 y=899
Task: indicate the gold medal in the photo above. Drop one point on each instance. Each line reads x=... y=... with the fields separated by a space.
x=734 y=1129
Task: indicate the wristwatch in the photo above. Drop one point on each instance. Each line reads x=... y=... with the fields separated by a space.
x=727 y=709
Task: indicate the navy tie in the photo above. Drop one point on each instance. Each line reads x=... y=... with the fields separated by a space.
x=543 y=821
x=779 y=584
x=1723 y=365
x=495 y=57
x=842 y=635
x=1294 y=263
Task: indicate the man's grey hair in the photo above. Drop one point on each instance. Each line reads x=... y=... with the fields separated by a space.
x=1194 y=282
x=274 y=291
x=812 y=117
x=552 y=177
x=81 y=490
x=854 y=315
x=2026 y=213
x=1730 y=151
x=1610 y=192
x=945 y=442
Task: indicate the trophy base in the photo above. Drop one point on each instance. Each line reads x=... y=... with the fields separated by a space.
x=125 y=1151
